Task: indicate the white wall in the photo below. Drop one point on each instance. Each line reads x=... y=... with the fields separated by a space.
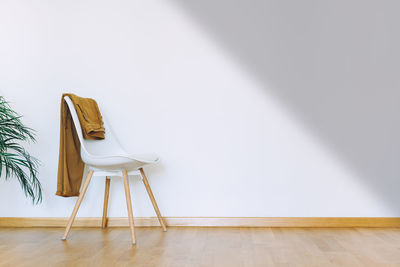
x=230 y=144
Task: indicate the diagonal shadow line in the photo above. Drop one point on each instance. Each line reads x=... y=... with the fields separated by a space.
x=334 y=63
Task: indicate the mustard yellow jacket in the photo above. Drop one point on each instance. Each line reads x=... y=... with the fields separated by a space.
x=70 y=164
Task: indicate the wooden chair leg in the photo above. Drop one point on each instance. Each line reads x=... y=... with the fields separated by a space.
x=153 y=200
x=129 y=206
x=77 y=204
x=105 y=207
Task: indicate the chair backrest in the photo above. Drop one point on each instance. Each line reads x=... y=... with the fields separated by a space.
x=89 y=148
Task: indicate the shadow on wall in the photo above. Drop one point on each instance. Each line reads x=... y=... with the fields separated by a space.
x=334 y=63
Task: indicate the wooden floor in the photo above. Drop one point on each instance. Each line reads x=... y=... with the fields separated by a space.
x=201 y=247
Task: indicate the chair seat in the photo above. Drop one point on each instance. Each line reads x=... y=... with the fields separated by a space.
x=120 y=162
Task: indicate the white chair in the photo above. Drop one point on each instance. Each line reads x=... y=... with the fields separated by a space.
x=107 y=158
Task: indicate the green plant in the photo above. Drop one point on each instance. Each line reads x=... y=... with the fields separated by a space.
x=14 y=160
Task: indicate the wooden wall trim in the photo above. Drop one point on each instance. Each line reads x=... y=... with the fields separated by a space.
x=209 y=222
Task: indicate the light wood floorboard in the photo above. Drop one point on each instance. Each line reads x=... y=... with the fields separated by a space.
x=197 y=246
